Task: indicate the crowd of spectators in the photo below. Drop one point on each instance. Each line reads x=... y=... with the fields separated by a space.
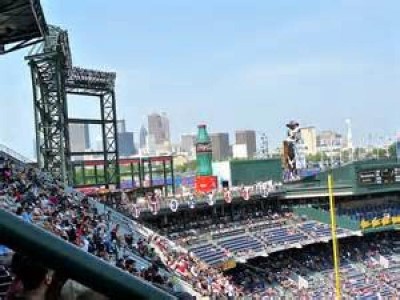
x=37 y=198
x=205 y=280
x=361 y=271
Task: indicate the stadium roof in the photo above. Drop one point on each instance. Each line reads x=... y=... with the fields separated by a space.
x=22 y=23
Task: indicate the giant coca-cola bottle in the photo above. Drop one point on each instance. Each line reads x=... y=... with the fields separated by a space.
x=203 y=152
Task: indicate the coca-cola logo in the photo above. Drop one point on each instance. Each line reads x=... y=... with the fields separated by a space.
x=203 y=148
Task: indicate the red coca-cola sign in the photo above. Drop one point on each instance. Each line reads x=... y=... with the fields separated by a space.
x=206 y=184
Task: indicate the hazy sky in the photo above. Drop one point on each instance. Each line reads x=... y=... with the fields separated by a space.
x=231 y=64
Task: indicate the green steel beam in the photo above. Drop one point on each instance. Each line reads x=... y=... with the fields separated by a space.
x=72 y=262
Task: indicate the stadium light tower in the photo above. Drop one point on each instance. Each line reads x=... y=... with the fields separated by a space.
x=53 y=78
x=349 y=139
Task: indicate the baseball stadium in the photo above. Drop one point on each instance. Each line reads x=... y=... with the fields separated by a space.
x=133 y=228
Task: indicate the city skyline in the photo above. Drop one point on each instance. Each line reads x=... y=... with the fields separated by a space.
x=230 y=65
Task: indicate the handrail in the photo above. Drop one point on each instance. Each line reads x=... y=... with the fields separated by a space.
x=74 y=263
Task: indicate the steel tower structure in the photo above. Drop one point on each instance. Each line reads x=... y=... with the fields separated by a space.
x=53 y=78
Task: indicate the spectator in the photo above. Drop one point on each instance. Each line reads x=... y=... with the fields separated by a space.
x=32 y=280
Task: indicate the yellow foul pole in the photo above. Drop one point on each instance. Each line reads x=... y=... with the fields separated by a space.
x=334 y=237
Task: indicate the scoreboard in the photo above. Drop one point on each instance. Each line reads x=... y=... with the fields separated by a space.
x=379 y=176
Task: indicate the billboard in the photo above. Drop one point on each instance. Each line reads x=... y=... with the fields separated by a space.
x=206 y=184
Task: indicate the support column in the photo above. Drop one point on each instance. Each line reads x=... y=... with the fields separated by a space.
x=150 y=172
x=172 y=175
x=165 y=179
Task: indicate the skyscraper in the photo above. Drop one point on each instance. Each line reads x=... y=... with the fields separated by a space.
x=330 y=143
x=121 y=126
x=87 y=136
x=248 y=138
x=309 y=137
x=143 y=138
x=77 y=137
x=220 y=146
x=158 y=126
x=165 y=125
x=126 y=144
x=188 y=142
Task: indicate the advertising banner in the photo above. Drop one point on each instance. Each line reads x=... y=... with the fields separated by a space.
x=206 y=184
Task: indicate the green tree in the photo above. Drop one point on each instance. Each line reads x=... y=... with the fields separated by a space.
x=187 y=167
x=359 y=153
x=318 y=157
x=392 y=151
x=379 y=153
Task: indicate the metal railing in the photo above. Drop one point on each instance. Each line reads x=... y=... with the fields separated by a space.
x=72 y=262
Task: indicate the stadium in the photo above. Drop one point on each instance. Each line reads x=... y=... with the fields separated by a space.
x=329 y=235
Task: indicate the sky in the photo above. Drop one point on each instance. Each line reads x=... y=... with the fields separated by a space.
x=232 y=64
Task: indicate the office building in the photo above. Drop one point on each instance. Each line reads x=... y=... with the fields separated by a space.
x=78 y=135
x=79 y=138
x=330 y=143
x=248 y=138
x=166 y=129
x=126 y=144
x=158 y=127
x=143 y=138
x=188 y=142
x=309 y=138
x=220 y=146
x=121 y=127
x=151 y=145
x=87 y=136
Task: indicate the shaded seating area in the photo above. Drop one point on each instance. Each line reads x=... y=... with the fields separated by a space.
x=209 y=254
x=318 y=230
x=281 y=236
x=242 y=243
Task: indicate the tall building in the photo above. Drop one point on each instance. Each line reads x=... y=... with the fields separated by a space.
x=220 y=146
x=248 y=138
x=151 y=148
x=158 y=126
x=165 y=125
x=188 y=142
x=143 y=138
x=121 y=127
x=309 y=137
x=330 y=143
x=77 y=137
x=126 y=144
x=87 y=136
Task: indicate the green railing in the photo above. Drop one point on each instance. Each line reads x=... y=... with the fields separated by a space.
x=72 y=262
